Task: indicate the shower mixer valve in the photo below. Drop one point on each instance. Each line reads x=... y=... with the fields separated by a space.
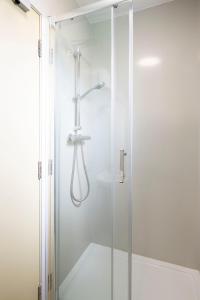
x=77 y=138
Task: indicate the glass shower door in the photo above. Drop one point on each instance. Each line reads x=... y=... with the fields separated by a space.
x=93 y=156
x=122 y=66
x=84 y=209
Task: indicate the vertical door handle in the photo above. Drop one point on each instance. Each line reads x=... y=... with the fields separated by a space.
x=122 y=168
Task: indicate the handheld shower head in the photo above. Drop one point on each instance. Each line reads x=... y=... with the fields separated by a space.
x=98 y=86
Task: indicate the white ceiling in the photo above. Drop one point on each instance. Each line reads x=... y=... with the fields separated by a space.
x=138 y=4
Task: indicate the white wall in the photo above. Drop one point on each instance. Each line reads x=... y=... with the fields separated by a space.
x=166 y=114
x=19 y=152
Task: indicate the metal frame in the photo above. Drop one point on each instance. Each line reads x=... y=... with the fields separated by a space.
x=42 y=287
x=46 y=157
x=44 y=153
x=87 y=9
x=131 y=165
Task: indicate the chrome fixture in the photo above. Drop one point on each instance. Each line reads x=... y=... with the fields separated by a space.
x=122 y=167
x=98 y=86
x=77 y=139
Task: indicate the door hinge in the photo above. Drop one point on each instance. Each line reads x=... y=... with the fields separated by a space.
x=50 y=282
x=40 y=48
x=39 y=170
x=39 y=292
x=51 y=56
x=50 y=167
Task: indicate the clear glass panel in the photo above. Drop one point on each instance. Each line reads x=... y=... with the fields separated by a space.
x=92 y=129
x=83 y=206
x=122 y=151
x=166 y=150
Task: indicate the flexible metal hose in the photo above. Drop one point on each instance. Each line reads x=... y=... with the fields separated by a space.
x=78 y=201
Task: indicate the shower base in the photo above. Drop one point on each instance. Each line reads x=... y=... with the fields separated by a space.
x=152 y=279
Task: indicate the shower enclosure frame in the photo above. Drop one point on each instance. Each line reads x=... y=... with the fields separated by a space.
x=53 y=20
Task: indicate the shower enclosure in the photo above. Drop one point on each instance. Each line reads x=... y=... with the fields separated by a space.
x=93 y=166
x=127 y=82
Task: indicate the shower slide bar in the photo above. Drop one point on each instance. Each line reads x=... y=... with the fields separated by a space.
x=86 y=9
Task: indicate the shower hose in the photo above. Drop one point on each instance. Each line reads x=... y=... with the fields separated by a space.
x=75 y=200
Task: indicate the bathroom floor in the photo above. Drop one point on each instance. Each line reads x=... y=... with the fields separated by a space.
x=152 y=279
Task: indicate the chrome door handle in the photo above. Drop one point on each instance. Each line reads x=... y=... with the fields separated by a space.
x=122 y=168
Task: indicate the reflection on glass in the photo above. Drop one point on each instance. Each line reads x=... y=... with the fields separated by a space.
x=149 y=61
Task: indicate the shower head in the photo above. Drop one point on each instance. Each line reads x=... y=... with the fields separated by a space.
x=98 y=86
